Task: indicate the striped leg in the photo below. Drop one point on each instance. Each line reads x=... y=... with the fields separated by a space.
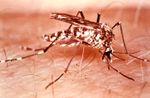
x=30 y=49
x=38 y=51
x=125 y=46
x=46 y=38
x=62 y=38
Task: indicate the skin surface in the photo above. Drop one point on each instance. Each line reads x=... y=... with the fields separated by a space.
x=88 y=76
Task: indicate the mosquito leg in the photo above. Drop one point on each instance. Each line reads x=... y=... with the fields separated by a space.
x=125 y=47
x=109 y=66
x=103 y=57
x=78 y=13
x=117 y=57
x=115 y=52
x=41 y=51
x=30 y=49
x=98 y=17
x=122 y=35
x=60 y=76
x=21 y=58
x=119 y=71
x=47 y=38
x=121 y=53
x=81 y=14
x=124 y=53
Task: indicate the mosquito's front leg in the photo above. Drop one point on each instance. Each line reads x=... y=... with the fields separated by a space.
x=110 y=66
x=60 y=76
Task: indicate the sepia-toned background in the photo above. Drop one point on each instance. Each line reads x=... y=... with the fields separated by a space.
x=23 y=22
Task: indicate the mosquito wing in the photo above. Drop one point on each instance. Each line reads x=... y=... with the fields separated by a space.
x=74 y=20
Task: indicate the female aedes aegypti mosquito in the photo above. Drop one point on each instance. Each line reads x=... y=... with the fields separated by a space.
x=81 y=31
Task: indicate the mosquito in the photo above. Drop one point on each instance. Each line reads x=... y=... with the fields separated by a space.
x=81 y=31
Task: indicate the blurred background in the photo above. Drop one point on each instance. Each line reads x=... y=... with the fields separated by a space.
x=52 y=5
x=23 y=22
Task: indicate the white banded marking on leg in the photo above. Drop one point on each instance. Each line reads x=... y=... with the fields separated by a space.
x=40 y=52
x=145 y=60
x=27 y=48
x=52 y=38
x=19 y=58
x=2 y=61
x=9 y=59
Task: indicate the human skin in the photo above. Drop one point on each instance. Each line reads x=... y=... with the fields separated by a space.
x=88 y=76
